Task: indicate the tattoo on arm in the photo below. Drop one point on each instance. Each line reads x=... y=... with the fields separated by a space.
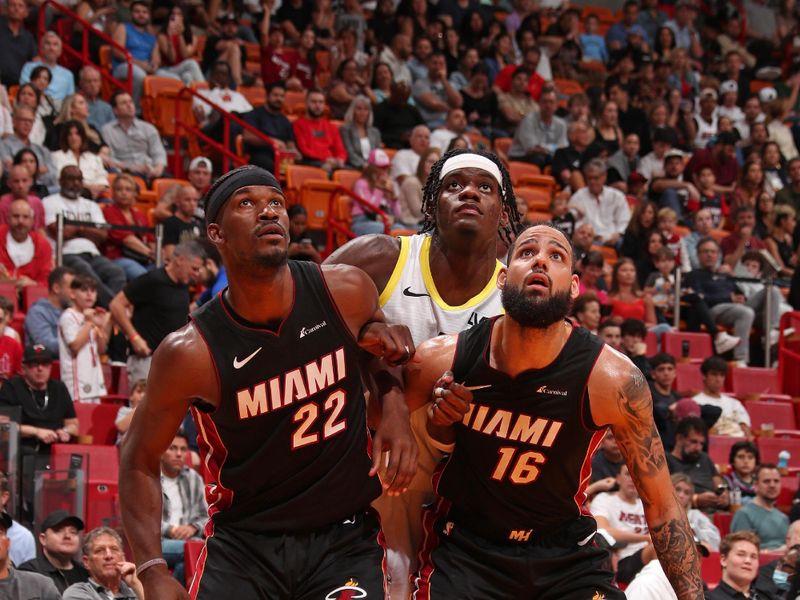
x=674 y=543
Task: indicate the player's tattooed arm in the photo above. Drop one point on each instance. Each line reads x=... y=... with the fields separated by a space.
x=620 y=398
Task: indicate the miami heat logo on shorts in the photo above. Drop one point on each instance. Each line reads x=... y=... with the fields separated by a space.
x=349 y=591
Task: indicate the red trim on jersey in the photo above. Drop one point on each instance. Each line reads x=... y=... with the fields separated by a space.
x=213 y=453
x=200 y=568
x=213 y=361
x=277 y=333
x=585 y=395
x=381 y=539
x=586 y=471
x=430 y=542
x=333 y=303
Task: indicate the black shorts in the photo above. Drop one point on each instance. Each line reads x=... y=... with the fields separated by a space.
x=457 y=563
x=628 y=567
x=344 y=560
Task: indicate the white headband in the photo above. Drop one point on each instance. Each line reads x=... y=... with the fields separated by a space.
x=471 y=161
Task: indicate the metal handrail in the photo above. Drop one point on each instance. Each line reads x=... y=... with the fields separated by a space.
x=83 y=54
x=334 y=226
x=190 y=129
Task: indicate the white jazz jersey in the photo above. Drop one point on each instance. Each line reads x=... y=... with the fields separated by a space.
x=411 y=297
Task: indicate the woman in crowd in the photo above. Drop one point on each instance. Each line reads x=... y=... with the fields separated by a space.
x=29 y=160
x=480 y=103
x=74 y=150
x=765 y=206
x=704 y=530
x=500 y=55
x=133 y=251
x=410 y=196
x=592 y=267
x=76 y=108
x=780 y=242
x=30 y=96
x=347 y=86
x=626 y=299
x=636 y=236
x=459 y=64
x=377 y=188
x=304 y=69
x=323 y=20
x=177 y=46
x=772 y=164
x=358 y=135
x=586 y=311
x=683 y=78
x=743 y=459
x=750 y=185
x=608 y=134
x=382 y=80
x=646 y=263
x=414 y=22
x=40 y=79
x=664 y=43
x=777 y=112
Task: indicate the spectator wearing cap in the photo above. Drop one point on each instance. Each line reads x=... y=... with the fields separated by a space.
x=25 y=255
x=62 y=81
x=729 y=93
x=359 y=136
x=110 y=575
x=721 y=157
x=159 y=304
x=199 y=174
x=60 y=541
x=540 y=134
x=624 y=162
x=16 y=584
x=318 y=140
x=734 y=420
x=41 y=321
x=672 y=190
x=652 y=163
x=603 y=207
x=617 y=36
x=184 y=512
x=682 y=25
x=269 y=119
x=23 y=546
x=376 y=187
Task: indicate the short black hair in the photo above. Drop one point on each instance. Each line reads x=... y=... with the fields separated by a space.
x=593 y=258
x=296 y=209
x=765 y=467
x=633 y=327
x=120 y=92
x=540 y=224
x=83 y=282
x=744 y=445
x=714 y=364
x=662 y=358
x=276 y=85
x=606 y=324
x=57 y=276
x=688 y=424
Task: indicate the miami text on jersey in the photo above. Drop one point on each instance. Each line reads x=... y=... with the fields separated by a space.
x=508 y=425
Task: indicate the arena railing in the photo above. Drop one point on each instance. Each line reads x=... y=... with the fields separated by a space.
x=188 y=128
x=83 y=54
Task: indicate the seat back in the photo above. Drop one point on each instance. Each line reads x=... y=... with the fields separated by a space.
x=31 y=294
x=315 y=196
x=98 y=422
x=346 y=177
x=154 y=87
x=770 y=447
x=689 y=378
x=255 y=94
x=755 y=380
x=161 y=185
x=683 y=344
x=719 y=448
x=536 y=199
x=296 y=175
x=711 y=569
x=779 y=414
x=518 y=168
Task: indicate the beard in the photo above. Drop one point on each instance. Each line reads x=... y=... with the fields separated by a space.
x=535 y=313
x=277 y=258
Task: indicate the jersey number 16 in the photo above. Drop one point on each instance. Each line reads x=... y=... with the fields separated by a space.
x=524 y=469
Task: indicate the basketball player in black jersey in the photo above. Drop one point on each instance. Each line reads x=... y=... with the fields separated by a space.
x=270 y=369
x=522 y=405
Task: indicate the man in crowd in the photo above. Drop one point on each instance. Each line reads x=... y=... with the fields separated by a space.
x=81 y=242
x=184 y=508
x=41 y=321
x=396 y=118
x=454 y=126
x=541 y=133
x=22 y=122
x=604 y=207
x=609 y=332
x=221 y=94
x=721 y=157
x=739 y=557
x=18 y=44
x=624 y=162
x=184 y=224
x=318 y=140
x=688 y=457
x=762 y=516
x=23 y=546
x=406 y=161
x=434 y=94
x=19 y=183
x=396 y=55
x=110 y=575
x=652 y=164
x=26 y=257
x=617 y=36
x=517 y=102
x=60 y=541
x=703 y=224
x=199 y=174
x=743 y=238
x=632 y=119
x=790 y=194
x=62 y=81
x=662 y=370
x=672 y=190
x=135 y=145
x=608 y=459
x=20 y=585
x=734 y=420
x=90 y=83
x=159 y=303
x=568 y=162
x=269 y=119
x=723 y=297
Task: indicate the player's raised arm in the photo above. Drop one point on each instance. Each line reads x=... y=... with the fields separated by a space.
x=620 y=398
x=181 y=371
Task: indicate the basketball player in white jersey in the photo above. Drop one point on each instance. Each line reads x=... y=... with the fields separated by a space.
x=442 y=280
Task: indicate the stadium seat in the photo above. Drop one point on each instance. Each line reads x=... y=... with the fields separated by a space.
x=294 y=103
x=154 y=87
x=162 y=184
x=96 y=421
x=536 y=199
x=651 y=339
x=754 y=380
x=699 y=345
x=719 y=448
x=192 y=550
x=517 y=168
x=769 y=447
x=296 y=175
x=711 y=569
x=688 y=377
x=722 y=520
x=256 y=95
x=9 y=290
x=502 y=145
x=779 y=414
x=346 y=177
x=31 y=294
x=315 y=196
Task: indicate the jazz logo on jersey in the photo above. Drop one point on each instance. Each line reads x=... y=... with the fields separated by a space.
x=291 y=386
x=349 y=591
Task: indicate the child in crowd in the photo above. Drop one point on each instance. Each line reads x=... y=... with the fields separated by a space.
x=667 y=221
x=660 y=284
x=83 y=332
x=710 y=198
x=125 y=413
x=8 y=306
x=10 y=348
x=562 y=216
x=592 y=43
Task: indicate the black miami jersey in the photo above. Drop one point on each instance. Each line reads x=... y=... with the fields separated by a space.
x=288 y=446
x=522 y=455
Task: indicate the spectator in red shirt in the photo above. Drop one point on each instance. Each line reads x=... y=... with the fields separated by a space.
x=133 y=251
x=721 y=157
x=318 y=140
x=742 y=239
x=20 y=183
x=10 y=350
x=26 y=257
x=530 y=60
x=276 y=60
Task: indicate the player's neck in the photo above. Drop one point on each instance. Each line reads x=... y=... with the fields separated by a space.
x=261 y=295
x=515 y=349
x=461 y=270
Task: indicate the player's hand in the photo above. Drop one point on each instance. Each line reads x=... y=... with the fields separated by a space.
x=391 y=342
x=394 y=436
x=159 y=584
x=451 y=401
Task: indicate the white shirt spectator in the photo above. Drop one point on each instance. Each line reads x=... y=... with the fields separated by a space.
x=226 y=98
x=90 y=164
x=441 y=138
x=608 y=214
x=651 y=166
x=78 y=210
x=404 y=163
x=733 y=413
x=622 y=515
x=82 y=373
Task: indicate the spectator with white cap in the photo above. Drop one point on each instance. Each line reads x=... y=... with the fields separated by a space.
x=377 y=188
x=705 y=121
x=729 y=93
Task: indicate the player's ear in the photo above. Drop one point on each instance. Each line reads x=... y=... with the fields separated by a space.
x=575 y=287
x=501 y=278
x=215 y=234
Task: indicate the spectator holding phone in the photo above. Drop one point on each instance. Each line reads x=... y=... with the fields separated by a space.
x=301 y=247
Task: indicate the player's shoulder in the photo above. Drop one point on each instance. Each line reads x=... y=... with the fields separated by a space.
x=433 y=356
x=616 y=385
x=184 y=346
x=375 y=254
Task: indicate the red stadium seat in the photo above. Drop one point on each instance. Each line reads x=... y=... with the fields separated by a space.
x=711 y=569
x=191 y=554
x=698 y=345
x=97 y=421
x=769 y=447
x=31 y=294
x=722 y=520
x=719 y=448
x=779 y=414
x=9 y=290
x=652 y=343
x=755 y=380
x=688 y=377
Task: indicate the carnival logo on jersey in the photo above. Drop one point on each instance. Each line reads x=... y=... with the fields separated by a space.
x=546 y=390
x=349 y=591
x=304 y=332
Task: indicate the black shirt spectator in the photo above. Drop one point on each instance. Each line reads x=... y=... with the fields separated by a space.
x=18 y=47
x=177 y=230
x=395 y=117
x=270 y=120
x=296 y=12
x=701 y=471
x=61 y=578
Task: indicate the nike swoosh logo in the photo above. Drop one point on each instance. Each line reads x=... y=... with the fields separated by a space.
x=238 y=364
x=408 y=292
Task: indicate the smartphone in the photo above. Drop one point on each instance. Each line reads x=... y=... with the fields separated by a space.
x=685 y=348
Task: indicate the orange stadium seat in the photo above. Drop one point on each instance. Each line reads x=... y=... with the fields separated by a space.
x=346 y=177
x=536 y=199
x=154 y=87
x=296 y=175
x=255 y=94
x=294 y=103
x=162 y=184
x=518 y=168
x=314 y=196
